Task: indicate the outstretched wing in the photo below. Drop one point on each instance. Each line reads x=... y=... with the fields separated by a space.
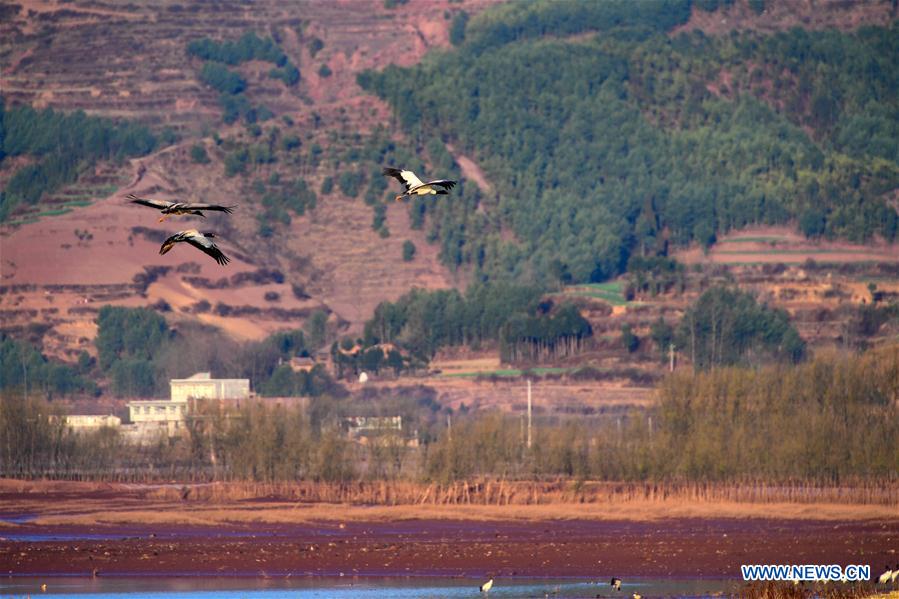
x=204 y=244
x=169 y=243
x=225 y=209
x=407 y=178
x=158 y=204
x=444 y=183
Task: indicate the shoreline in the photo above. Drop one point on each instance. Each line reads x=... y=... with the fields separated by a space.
x=674 y=548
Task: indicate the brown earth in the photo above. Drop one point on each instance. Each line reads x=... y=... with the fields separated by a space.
x=672 y=548
x=123 y=534
x=759 y=244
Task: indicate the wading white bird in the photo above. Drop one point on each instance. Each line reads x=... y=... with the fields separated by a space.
x=201 y=241
x=895 y=574
x=415 y=186
x=886 y=577
x=487 y=586
x=615 y=584
x=178 y=208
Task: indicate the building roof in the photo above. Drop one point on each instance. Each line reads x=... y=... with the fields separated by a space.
x=151 y=402
x=203 y=376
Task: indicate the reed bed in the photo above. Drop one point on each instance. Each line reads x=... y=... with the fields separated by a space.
x=788 y=590
x=503 y=492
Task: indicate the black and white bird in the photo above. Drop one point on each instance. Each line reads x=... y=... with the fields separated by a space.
x=201 y=241
x=615 y=584
x=886 y=577
x=178 y=208
x=487 y=586
x=415 y=186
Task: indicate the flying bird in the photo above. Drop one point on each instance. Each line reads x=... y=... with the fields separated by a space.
x=178 y=208
x=615 y=584
x=415 y=187
x=201 y=241
x=487 y=586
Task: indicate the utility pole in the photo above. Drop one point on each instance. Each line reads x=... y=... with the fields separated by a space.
x=529 y=413
x=671 y=349
x=24 y=373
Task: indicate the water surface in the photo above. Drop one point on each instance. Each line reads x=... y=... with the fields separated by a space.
x=352 y=588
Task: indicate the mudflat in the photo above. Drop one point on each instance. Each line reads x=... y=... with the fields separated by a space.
x=104 y=530
x=679 y=547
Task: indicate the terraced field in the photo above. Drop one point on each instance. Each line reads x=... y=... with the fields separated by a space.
x=129 y=61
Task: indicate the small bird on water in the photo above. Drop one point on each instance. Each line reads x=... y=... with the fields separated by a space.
x=487 y=586
x=615 y=584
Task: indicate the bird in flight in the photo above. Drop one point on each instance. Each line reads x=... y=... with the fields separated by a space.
x=178 y=208
x=201 y=241
x=414 y=186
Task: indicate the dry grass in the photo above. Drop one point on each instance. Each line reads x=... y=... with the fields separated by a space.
x=61 y=503
x=293 y=513
x=787 y=590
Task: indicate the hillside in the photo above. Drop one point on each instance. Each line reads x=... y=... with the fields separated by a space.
x=603 y=134
x=613 y=129
x=330 y=259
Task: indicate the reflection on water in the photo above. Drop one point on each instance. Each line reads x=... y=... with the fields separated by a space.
x=350 y=588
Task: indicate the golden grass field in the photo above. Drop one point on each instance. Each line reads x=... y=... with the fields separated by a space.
x=85 y=504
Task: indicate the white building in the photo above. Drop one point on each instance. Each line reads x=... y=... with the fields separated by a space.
x=203 y=386
x=149 y=418
x=157 y=415
x=89 y=422
x=357 y=425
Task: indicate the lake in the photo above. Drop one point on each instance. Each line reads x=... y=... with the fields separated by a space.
x=350 y=588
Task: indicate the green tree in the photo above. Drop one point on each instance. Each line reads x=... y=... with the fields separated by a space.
x=198 y=154
x=727 y=326
x=408 y=251
x=316 y=329
x=128 y=333
x=630 y=341
x=457 y=28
